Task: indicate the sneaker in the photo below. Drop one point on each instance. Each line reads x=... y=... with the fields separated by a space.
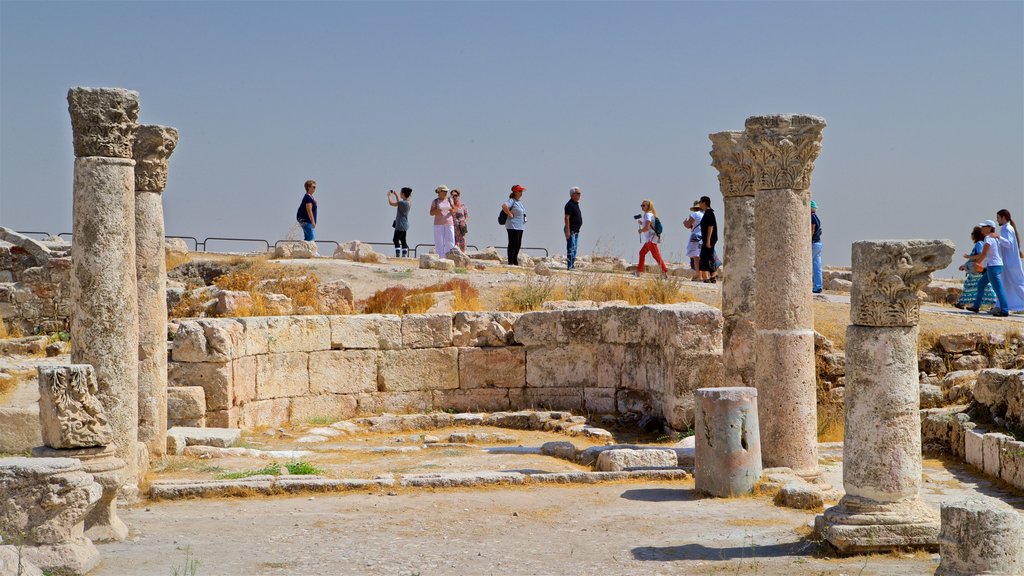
x=636 y=274
x=996 y=311
x=664 y=275
x=1001 y=314
x=971 y=309
x=960 y=306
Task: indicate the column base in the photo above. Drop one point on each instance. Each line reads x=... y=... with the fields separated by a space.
x=102 y=523
x=856 y=525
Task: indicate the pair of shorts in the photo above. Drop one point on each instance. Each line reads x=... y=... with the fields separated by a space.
x=707 y=259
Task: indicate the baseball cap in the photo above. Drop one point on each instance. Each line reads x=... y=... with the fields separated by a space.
x=518 y=188
x=814 y=205
x=988 y=223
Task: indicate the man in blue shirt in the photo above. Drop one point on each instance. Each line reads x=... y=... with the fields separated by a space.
x=815 y=248
x=306 y=214
x=573 y=223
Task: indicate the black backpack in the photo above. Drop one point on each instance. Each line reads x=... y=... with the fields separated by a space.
x=502 y=217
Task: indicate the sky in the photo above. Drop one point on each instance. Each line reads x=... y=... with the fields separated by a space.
x=924 y=103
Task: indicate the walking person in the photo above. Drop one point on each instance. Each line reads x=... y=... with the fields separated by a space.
x=709 y=237
x=1013 y=270
x=815 y=248
x=444 y=229
x=573 y=223
x=650 y=238
x=692 y=223
x=515 y=223
x=993 y=263
x=402 y=205
x=306 y=215
x=974 y=272
x=460 y=216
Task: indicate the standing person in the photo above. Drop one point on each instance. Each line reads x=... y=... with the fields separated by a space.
x=444 y=230
x=650 y=239
x=573 y=223
x=692 y=223
x=515 y=223
x=1013 y=270
x=815 y=248
x=306 y=214
x=461 y=217
x=709 y=237
x=401 y=223
x=970 y=289
x=993 y=263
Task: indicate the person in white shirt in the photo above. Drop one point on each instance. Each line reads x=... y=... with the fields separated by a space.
x=650 y=239
x=993 y=263
x=692 y=223
x=1013 y=271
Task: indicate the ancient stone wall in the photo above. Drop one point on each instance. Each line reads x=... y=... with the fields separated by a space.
x=616 y=360
x=35 y=288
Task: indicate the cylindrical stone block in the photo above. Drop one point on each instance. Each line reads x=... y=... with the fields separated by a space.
x=102 y=523
x=152 y=282
x=787 y=400
x=882 y=396
x=727 y=444
x=980 y=537
x=782 y=299
x=104 y=322
x=738 y=291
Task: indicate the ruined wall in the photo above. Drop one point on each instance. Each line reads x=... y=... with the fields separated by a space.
x=35 y=292
x=615 y=360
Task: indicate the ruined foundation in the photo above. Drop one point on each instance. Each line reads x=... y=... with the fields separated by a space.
x=980 y=537
x=727 y=444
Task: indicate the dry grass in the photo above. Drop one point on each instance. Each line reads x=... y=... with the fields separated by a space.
x=174 y=259
x=830 y=421
x=531 y=294
x=402 y=300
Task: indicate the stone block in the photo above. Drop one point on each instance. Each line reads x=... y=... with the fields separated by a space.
x=264 y=413
x=936 y=424
x=282 y=375
x=537 y=328
x=19 y=429
x=482 y=328
x=801 y=496
x=563 y=450
x=214 y=377
x=1002 y=392
x=343 y=371
x=375 y=331
x=207 y=340
x=628 y=459
x=610 y=358
x=599 y=401
x=188 y=422
x=991 y=446
x=334 y=406
x=931 y=396
x=970 y=362
x=572 y=365
x=553 y=398
x=1011 y=462
x=690 y=326
x=420 y=369
x=889 y=275
x=686 y=373
x=638 y=402
x=580 y=326
x=980 y=536
x=426 y=330
x=974 y=447
x=186 y=403
x=229 y=418
x=958 y=387
x=621 y=324
x=70 y=412
x=961 y=342
x=298 y=333
x=178 y=438
x=473 y=400
x=492 y=367
x=381 y=402
x=243 y=379
x=255 y=336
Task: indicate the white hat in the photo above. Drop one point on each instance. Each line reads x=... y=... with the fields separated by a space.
x=441 y=188
x=988 y=223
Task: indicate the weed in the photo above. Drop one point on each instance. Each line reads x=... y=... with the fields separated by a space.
x=190 y=567
x=526 y=297
x=12 y=331
x=320 y=420
x=273 y=469
x=396 y=275
x=302 y=468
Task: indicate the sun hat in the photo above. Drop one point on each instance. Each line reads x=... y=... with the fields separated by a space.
x=814 y=205
x=696 y=205
x=518 y=188
x=441 y=188
x=988 y=223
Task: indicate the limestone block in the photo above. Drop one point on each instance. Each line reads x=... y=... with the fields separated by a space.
x=426 y=330
x=980 y=536
x=281 y=375
x=1011 y=462
x=958 y=428
x=103 y=121
x=599 y=401
x=931 y=396
x=383 y=331
x=381 y=402
x=343 y=371
x=229 y=418
x=492 y=367
x=888 y=276
x=932 y=364
x=572 y=365
x=958 y=386
x=610 y=358
x=19 y=429
x=335 y=406
x=1002 y=392
x=991 y=446
x=960 y=342
x=636 y=402
x=298 y=249
x=839 y=285
x=936 y=430
x=214 y=377
x=554 y=398
x=206 y=340
x=233 y=302
x=563 y=450
x=298 y=333
x=482 y=328
x=476 y=399
x=264 y=413
x=70 y=414
x=970 y=362
x=179 y=437
x=431 y=261
x=727 y=441
x=186 y=402
x=152 y=149
x=580 y=326
x=801 y=496
x=628 y=459
x=12 y=561
x=787 y=402
x=691 y=326
x=537 y=328
x=243 y=379
x=621 y=324
x=974 y=447
x=419 y=369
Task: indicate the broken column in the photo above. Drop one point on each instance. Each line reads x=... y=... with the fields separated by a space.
x=152 y=150
x=74 y=425
x=980 y=537
x=727 y=444
x=104 y=295
x=738 y=334
x=882 y=508
x=781 y=150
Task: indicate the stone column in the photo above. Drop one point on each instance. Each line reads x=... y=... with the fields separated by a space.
x=104 y=295
x=738 y=335
x=782 y=150
x=980 y=537
x=727 y=456
x=882 y=508
x=152 y=150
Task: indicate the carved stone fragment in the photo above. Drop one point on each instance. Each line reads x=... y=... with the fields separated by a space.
x=782 y=149
x=103 y=121
x=69 y=410
x=887 y=277
x=152 y=151
x=735 y=172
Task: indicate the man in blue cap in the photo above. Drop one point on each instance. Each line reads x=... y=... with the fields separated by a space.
x=815 y=248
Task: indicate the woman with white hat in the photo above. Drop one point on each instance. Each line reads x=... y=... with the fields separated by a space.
x=993 y=263
x=444 y=225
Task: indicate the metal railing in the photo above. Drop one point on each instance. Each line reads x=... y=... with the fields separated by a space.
x=521 y=249
x=415 y=250
x=45 y=235
x=206 y=241
x=195 y=241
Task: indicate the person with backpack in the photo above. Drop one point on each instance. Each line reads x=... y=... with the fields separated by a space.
x=513 y=216
x=650 y=235
x=709 y=237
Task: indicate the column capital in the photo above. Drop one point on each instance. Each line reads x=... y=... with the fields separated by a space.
x=103 y=121
x=887 y=275
x=152 y=151
x=781 y=149
x=70 y=414
x=734 y=170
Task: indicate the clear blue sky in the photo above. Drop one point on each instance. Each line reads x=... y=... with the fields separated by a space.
x=924 y=101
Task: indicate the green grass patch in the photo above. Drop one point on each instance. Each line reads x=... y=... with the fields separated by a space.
x=302 y=468
x=320 y=420
x=273 y=469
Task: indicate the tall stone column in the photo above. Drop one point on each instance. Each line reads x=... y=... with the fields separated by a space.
x=738 y=334
x=104 y=295
x=782 y=150
x=882 y=508
x=152 y=150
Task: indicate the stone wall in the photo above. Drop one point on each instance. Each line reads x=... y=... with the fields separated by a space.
x=621 y=360
x=35 y=287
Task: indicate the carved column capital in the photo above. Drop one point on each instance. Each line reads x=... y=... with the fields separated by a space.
x=887 y=276
x=734 y=169
x=103 y=121
x=152 y=151
x=70 y=413
x=782 y=149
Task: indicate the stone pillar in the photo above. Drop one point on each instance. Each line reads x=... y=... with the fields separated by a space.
x=152 y=150
x=980 y=537
x=727 y=444
x=882 y=508
x=738 y=335
x=781 y=150
x=104 y=295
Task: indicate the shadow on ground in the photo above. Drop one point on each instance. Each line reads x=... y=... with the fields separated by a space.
x=702 y=552
x=659 y=495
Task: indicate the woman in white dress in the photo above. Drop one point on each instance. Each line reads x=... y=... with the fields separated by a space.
x=692 y=223
x=1013 y=271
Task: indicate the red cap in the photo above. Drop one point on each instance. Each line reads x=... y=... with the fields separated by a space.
x=518 y=188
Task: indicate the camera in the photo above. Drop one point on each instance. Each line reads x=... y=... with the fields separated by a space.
x=637 y=216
